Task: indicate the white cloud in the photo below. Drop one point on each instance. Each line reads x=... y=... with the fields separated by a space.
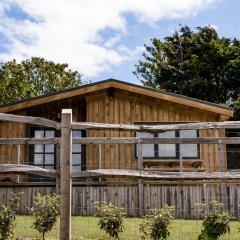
x=69 y=30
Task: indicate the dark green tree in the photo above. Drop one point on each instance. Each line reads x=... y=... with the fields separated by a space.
x=196 y=64
x=34 y=77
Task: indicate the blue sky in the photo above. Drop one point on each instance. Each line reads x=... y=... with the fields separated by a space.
x=103 y=39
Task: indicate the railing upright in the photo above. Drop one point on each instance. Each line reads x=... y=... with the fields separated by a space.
x=65 y=175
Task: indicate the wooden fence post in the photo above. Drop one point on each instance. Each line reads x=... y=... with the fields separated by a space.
x=223 y=187
x=65 y=175
x=140 y=181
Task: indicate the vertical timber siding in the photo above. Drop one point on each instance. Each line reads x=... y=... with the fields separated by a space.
x=120 y=107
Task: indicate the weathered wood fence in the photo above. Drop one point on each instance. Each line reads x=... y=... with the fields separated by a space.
x=139 y=196
x=183 y=197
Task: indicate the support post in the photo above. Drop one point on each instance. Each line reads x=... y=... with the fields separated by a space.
x=58 y=168
x=140 y=181
x=180 y=159
x=18 y=158
x=65 y=175
x=221 y=158
x=100 y=156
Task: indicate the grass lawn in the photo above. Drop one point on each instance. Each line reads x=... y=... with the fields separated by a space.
x=86 y=228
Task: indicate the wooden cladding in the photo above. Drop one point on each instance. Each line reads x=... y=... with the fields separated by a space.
x=123 y=108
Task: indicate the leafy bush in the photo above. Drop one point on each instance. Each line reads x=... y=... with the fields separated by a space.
x=45 y=211
x=156 y=225
x=216 y=222
x=110 y=218
x=7 y=217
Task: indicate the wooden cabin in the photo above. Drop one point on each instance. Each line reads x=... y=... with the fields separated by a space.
x=113 y=101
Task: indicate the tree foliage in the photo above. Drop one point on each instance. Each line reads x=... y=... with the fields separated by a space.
x=196 y=64
x=45 y=211
x=34 y=77
x=156 y=225
x=7 y=217
x=216 y=222
x=110 y=218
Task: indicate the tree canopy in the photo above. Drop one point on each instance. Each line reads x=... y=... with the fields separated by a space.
x=197 y=64
x=34 y=77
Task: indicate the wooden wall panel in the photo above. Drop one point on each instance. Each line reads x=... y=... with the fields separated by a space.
x=129 y=109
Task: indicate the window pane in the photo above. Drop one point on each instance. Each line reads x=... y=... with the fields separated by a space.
x=49 y=159
x=76 y=134
x=38 y=158
x=76 y=148
x=49 y=148
x=189 y=150
x=167 y=150
x=38 y=148
x=76 y=159
x=39 y=134
x=76 y=168
x=49 y=134
x=49 y=166
x=148 y=149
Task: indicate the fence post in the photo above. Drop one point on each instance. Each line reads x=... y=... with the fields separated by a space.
x=65 y=175
x=223 y=187
x=140 y=181
x=18 y=159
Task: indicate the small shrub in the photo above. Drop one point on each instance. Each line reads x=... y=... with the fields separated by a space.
x=45 y=211
x=216 y=222
x=110 y=218
x=7 y=217
x=156 y=225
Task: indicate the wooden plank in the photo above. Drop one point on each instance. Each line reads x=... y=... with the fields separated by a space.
x=157 y=127
x=30 y=120
x=156 y=175
x=133 y=140
x=17 y=141
x=26 y=169
x=65 y=177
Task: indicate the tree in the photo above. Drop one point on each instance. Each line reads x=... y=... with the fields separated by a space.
x=196 y=64
x=110 y=218
x=7 y=216
x=34 y=77
x=216 y=222
x=156 y=225
x=45 y=211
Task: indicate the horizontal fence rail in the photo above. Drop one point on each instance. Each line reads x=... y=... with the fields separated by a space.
x=156 y=127
x=21 y=141
x=135 y=140
x=124 y=140
x=30 y=120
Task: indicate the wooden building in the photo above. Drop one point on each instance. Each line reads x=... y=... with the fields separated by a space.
x=113 y=101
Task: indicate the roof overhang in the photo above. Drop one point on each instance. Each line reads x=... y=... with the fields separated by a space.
x=111 y=83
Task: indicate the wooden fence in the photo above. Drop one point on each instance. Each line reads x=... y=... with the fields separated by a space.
x=136 y=197
x=183 y=197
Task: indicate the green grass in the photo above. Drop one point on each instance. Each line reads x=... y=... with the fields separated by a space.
x=86 y=228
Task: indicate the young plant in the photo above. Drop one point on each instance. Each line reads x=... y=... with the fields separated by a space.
x=110 y=218
x=7 y=217
x=156 y=225
x=45 y=211
x=216 y=222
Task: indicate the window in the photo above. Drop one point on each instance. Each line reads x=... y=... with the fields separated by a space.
x=44 y=155
x=170 y=151
x=77 y=152
x=233 y=150
x=189 y=150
